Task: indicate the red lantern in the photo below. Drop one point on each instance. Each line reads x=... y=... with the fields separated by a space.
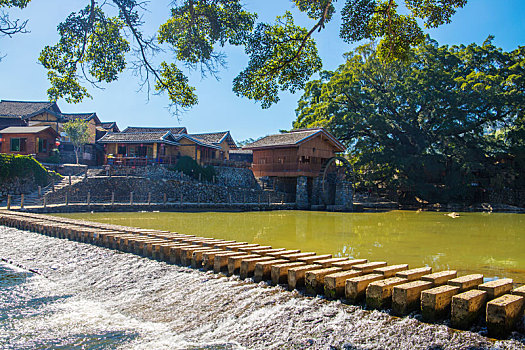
x=57 y=143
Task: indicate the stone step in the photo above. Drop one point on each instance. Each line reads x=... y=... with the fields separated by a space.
x=379 y=293
x=435 y=302
x=407 y=297
x=334 y=284
x=355 y=287
x=466 y=283
x=440 y=278
x=414 y=274
x=497 y=288
x=279 y=272
x=503 y=313
x=467 y=307
x=314 y=280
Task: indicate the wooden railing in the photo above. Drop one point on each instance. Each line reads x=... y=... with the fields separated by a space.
x=139 y=161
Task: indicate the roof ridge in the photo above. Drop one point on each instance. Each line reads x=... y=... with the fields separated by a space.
x=27 y=101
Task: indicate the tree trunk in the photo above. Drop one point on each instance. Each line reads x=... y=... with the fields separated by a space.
x=77 y=149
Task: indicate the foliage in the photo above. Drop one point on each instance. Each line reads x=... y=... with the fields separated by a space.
x=436 y=127
x=98 y=42
x=14 y=165
x=190 y=167
x=78 y=132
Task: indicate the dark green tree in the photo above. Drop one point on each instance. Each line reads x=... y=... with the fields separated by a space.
x=431 y=127
x=98 y=42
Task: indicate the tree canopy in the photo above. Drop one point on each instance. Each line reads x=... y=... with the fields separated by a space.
x=98 y=42
x=439 y=126
x=78 y=132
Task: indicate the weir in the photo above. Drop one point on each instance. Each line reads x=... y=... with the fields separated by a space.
x=437 y=295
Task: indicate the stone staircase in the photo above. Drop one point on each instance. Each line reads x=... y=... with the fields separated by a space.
x=33 y=199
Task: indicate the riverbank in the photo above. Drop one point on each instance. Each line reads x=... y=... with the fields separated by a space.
x=119 y=300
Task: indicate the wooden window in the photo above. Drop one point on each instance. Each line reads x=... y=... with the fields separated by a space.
x=18 y=145
x=121 y=150
x=42 y=145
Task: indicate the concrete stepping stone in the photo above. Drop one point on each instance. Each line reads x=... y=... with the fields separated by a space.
x=467 y=307
x=379 y=293
x=263 y=269
x=311 y=259
x=407 y=297
x=440 y=278
x=234 y=262
x=335 y=283
x=296 y=275
x=295 y=256
x=355 y=287
x=314 y=280
x=248 y=266
x=466 y=283
x=503 y=313
x=414 y=274
x=279 y=272
x=435 y=302
x=369 y=267
x=519 y=291
x=279 y=254
x=390 y=271
x=497 y=288
x=329 y=262
x=198 y=256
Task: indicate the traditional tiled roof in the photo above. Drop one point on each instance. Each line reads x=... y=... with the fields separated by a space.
x=198 y=141
x=26 y=109
x=292 y=138
x=173 y=130
x=84 y=116
x=138 y=137
x=241 y=151
x=109 y=126
x=26 y=130
x=216 y=138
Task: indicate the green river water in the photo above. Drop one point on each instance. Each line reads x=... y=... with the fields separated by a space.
x=492 y=244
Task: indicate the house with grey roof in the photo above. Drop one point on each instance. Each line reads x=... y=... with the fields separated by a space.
x=160 y=146
x=222 y=139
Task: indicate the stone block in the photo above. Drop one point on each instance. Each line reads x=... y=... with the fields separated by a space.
x=295 y=256
x=281 y=253
x=355 y=287
x=519 y=291
x=348 y=264
x=440 y=278
x=234 y=262
x=296 y=275
x=279 y=272
x=208 y=258
x=390 y=271
x=314 y=280
x=263 y=269
x=198 y=257
x=414 y=274
x=220 y=262
x=250 y=249
x=334 y=284
x=187 y=253
x=435 y=302
x=265 y=252
x=369 y=267
x=311 y=259
x=237 y=248
x=466 y=283
x=328 y=262
x=379 y=293
x=497 y=288
x=175 y=253
x=407 y=297
x=248 y=266
x=467 y=307
x=503 y=313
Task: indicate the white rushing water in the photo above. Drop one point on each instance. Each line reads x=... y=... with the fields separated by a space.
x=89 y=297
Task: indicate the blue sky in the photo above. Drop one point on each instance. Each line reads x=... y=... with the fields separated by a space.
x=22 y=78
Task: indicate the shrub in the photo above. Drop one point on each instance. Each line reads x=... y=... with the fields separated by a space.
x=190 y=167
x=13 y=166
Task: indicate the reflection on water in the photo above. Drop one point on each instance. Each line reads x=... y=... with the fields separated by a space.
x=492 y=244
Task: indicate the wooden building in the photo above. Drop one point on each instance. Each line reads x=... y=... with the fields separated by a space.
x=296 y=153
x=28 y=140
x=221 y=139
x=45 y=113
x=161 y=147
